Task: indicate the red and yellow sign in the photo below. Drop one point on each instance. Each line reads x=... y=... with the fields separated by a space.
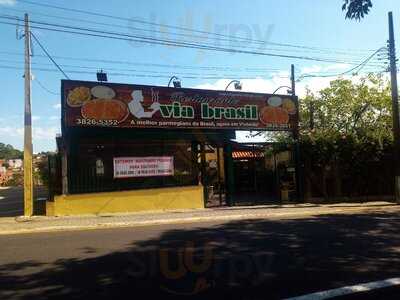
x=98 y=104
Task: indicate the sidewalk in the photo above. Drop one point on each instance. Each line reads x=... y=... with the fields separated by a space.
x=48 y=224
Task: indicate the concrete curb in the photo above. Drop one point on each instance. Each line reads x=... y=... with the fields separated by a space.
x=99 y=223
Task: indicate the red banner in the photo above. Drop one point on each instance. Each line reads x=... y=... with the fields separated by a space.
x=99 y=104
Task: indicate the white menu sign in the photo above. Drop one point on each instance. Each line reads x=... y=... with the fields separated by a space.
x=148 y=166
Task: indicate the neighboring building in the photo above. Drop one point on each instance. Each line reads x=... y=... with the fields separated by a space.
x=5 y=177
x=15 y=163
x=10 y=169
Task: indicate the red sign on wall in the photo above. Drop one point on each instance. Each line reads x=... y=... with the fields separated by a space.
x=98 y=104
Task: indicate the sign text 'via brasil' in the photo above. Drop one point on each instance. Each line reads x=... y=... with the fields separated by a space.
x=92 y=104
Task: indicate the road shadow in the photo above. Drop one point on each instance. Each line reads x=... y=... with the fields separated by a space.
x=247 y=259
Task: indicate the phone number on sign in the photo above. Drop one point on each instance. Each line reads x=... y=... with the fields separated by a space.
x=94 y=122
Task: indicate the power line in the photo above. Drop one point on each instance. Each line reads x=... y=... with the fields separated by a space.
x=321 y=50
x=174 y=42
x=48 y=55
x=140 y=75
x=44 y=88
x=162 y=25
x=359 y=67
x=117 y=36
x=174 y=66
x=128 y=75
x=137 y=38
x=131 y=70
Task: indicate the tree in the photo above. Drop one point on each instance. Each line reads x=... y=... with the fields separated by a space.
x=41 y=173
x=345 y=129
x=8 y=152
x=351 y=129
x=361 y=110
x=17 y=179
x=356 y=9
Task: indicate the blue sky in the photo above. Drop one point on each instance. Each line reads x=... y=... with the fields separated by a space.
x=312 y=23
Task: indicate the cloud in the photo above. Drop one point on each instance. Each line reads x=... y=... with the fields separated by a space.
x=38 y=133
x=9 y=131
x=42 y=133
x=36 y=118
x=8 y=2
x=257 y=85
x=264 y=85
x=335 y=67
x=57 y=106
x=261 y=85
x=312 y=69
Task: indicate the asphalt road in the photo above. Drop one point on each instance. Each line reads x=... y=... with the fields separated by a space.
x=246 y=259
x=12 y=200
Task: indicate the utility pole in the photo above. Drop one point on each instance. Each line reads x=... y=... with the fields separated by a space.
x=28 y=178
x=299 y=186
x=292 y=79
x=395 y=107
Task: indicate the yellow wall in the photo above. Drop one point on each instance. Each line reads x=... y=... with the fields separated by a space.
x=127 y=201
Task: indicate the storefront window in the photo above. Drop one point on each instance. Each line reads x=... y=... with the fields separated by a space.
x=148 y=164
x=99 y=167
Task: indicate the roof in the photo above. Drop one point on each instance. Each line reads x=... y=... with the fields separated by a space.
x=247 y=154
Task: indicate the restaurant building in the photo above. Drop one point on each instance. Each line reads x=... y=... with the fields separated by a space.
x=129 y=148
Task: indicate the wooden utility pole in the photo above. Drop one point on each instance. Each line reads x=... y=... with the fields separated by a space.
x=395 y=107
x=299 y=185
x=28 y=178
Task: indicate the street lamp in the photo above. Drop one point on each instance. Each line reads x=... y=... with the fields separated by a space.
x=289 y=91
x=101 y=76
x=176 y=81
x=238 y=85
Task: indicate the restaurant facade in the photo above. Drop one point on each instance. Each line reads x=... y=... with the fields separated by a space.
x=127 y=147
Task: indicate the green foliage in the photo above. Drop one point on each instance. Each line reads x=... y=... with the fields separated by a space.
x=344 y=128
x=8 y=152
x=356 y=9
x=361 y=110
x=16 y=180
x=41 y=174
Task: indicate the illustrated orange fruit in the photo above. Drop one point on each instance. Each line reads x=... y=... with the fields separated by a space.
x=274 y=115
x=103 y=109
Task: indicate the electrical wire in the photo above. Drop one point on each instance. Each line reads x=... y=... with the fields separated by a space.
x=194 y=37
x=174 y=42
x=184 y=45
x=137 y=38
x=48 y=55
x=134 y=70
x=174 y=66
x=141 y=75
x=128 y=75
x=358 y=68
x=181 y=28
x=44 y=88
